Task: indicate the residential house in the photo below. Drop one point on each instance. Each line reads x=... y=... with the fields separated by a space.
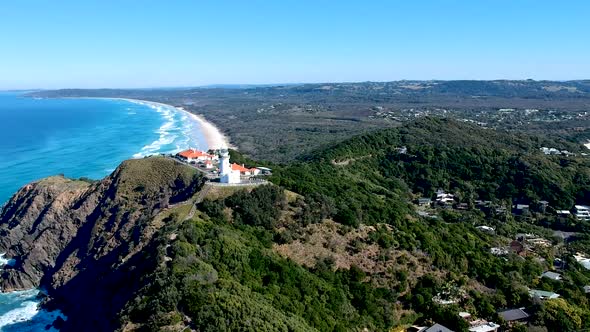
x=521 y=210
x=486 y=229
x=437 y=328
x=477 y=324
x=551 y=275
x=512 y=316
x=582 y=212
x=443 y=198
x=483 y=326
x=422 y=201
x=543 y=295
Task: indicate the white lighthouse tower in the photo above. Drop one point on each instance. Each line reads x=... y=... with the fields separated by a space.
x=226 y=173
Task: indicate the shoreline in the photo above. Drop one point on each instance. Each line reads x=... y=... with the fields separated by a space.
x=214 y=138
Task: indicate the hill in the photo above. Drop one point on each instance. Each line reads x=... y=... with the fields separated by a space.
x=343 y=248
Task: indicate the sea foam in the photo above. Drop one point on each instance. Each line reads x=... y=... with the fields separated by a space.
x=175 y=134
x=20 y=309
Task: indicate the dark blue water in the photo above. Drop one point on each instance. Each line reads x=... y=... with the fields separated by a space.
x=77 y=138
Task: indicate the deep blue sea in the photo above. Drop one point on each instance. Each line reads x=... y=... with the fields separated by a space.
x=77 y=138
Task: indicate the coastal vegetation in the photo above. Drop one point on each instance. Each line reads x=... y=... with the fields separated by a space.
x=333 y=243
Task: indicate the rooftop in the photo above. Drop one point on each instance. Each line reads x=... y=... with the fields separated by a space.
x=488 y=327
x=551 y=275
x=438 y=328
x=513 y=314
x=543 y=294
x=193 y=153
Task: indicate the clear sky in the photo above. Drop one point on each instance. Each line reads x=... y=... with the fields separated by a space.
x=143 y=43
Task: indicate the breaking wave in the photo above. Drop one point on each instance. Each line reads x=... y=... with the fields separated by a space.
x=176 y=133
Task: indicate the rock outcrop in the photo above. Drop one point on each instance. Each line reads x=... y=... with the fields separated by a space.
x=84 y=241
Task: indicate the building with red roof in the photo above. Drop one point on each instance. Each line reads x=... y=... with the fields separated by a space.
x=244 y=170
x=191 y=155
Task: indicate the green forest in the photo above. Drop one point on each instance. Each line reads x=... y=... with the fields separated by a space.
x=223 y=272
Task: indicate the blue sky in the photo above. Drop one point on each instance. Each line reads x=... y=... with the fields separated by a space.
x=58 y=44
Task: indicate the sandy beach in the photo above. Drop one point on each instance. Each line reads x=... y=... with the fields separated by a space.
x=214 y=137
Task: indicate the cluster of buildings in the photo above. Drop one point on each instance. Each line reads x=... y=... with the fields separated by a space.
x=554 y=151
x=218 y=163
x=522 y=211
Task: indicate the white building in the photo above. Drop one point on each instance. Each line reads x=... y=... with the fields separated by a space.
x=226 y=173
x=582 y=212
x=444 y=198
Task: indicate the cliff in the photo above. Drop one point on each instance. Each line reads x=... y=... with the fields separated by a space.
x=82 y=241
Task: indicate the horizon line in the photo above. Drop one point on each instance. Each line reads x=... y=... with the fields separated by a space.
x=253 y=85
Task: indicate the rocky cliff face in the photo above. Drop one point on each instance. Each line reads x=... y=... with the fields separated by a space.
x=84 y=242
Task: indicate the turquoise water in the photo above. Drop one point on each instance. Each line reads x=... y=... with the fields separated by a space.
x=77 y=138
x=83 y=137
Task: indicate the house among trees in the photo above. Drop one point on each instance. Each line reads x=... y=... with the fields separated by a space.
x=434 y=328
x=551 y=275
x=422 y=201
x=512 y=316
x=582 y=212
x=543 y=295
x=477 y=324
x=443 y=198
x=521 y=210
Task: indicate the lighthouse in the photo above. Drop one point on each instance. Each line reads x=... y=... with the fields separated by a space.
x=226 y=173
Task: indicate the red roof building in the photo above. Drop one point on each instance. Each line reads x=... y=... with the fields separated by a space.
x=244 y=170
x=195 y=155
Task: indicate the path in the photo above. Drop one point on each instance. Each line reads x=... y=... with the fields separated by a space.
x=200 y=197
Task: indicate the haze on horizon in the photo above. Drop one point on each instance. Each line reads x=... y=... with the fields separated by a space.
x=115 y=44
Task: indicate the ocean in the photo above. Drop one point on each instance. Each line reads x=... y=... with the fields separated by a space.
x=76 y=138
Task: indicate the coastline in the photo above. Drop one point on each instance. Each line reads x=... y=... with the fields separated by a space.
x=214 y=137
